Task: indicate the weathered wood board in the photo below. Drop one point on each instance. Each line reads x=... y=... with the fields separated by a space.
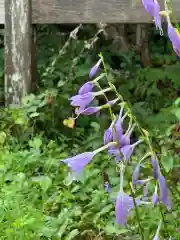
x=89 y=11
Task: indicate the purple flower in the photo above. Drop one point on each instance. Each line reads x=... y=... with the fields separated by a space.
x=124 y=204
x=155 y=165
x=94 y=69
x=153 y=8
x=155 y=197
x=87 y=87
x=107 y=187
x=88 y=111
x=82 y=100
x=136 y=173
x=118 y=126
x=149 y=6
x=164 y=195
x=157 y=17
x=128 y=150
x=114 y=151
x=108 y=134
x=78 y=162
x=174 y=37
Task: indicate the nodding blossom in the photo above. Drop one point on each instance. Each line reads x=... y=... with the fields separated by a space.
x=153 y=8
x=155 y=197
x=78 y=162
x=88 y=110
x=155 y=165
x=82 y=101
x=124 y=205
x=173 y=33
x=95 y=68
x=164 y=195
x=128 y=150
x=85 y=88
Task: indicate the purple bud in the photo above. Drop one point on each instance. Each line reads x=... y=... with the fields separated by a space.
x=94 y=69
x=164 y=195
x=155 y=165
x=82 y=100
x=135 y=175
x=87 y=87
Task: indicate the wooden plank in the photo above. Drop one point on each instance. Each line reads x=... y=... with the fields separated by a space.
x=93 y=11
x=17 y=50
x=90 y=11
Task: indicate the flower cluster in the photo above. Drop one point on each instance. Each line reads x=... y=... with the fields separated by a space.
x=153 y=8
x=118 y=144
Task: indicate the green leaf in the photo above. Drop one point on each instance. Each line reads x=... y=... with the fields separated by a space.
x=167 y=162
x=72 y=234
x=44 y=181
x=35 y=114
x=112 y=229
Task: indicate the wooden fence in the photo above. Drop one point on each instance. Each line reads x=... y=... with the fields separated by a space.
x=19 y=15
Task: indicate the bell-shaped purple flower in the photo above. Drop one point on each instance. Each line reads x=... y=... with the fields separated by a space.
x=82 y=100
x=149 y=6
x=155 y=165
x=108 y=134
x=94 y=69
x=78 y=162
x=85 y=88
x=153 y=8
x=164 y=195
x=128 y=150
x=114 y=151
x=174 y=37
x=88 y=111
x=157 y=17
x=119 y=129
x=124 y=204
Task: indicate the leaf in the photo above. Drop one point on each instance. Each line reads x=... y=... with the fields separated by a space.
x=62 y=229
x=112 y=229
x=105 y=210
x=35 y=143
x=72 y=234
x=35 y=114
x=167 y=162
x=44 y=181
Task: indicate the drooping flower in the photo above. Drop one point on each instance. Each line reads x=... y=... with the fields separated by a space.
x=108 y=134
x=78 y=162
x=95 y=68
x=164 y=195
x=88 y=111
x=155 y=165
x=157 y=16
x=118 y=126
x=173 y=33
x=82 y=100
x=174 y=37
x=124 y=204
x=128 y=150
x=85 y=88
x=153 y=8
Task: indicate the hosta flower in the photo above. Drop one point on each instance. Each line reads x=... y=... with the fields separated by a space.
x=94 y=69
x=153 y=8
x=174 y=37
x=82 y=100
x=124 y=205
x=78 y=162
x=108 y=134
x=128 y=150
x=85 y=88
x=164 y=195
x=88 y=110
x=155 y=165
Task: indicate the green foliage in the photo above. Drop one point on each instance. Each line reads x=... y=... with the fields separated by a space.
x=38 y=199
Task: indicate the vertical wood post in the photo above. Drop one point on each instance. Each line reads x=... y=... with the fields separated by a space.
x=18 y=43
